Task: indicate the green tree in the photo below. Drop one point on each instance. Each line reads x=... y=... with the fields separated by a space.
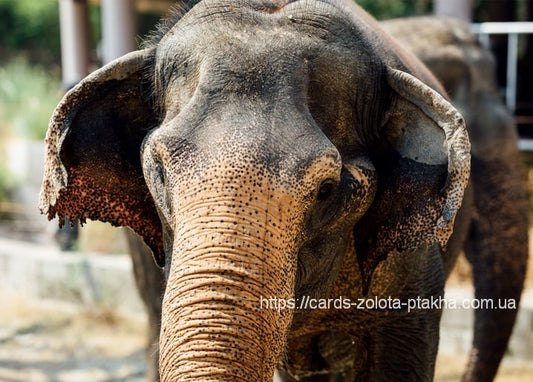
x=30 y=26
x=28 y=95
x=386 y=9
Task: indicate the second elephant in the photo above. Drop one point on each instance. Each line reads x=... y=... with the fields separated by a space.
x=492 y=226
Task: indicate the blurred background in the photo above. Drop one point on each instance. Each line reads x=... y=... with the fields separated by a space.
x=68 y=305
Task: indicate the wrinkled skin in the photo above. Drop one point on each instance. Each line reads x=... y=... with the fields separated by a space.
x=494 y=224
x=273 y=150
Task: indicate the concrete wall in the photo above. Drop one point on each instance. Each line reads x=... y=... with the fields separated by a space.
x=36 y=271
x=24 y=160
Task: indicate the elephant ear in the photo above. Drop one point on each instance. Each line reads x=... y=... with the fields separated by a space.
x=423 y=166
x=92 y=163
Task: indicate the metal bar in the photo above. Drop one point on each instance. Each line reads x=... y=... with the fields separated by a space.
x=74 y=28
x=525 y=144
x=461 y=9
x=118 y=28
x=484 y=39
x=513 y=30
x=518 y=27
x=512 y=61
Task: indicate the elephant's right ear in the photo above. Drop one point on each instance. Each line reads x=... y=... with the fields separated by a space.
x=92 y=164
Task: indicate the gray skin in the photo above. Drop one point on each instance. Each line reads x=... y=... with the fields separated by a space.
x=263 y=150
x=494 y=234
x=466 y=70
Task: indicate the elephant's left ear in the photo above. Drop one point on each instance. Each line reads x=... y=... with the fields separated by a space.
x=429 y=130
x=423 y=165
x=92 y=164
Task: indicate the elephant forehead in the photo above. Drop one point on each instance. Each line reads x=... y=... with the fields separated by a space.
x=238 y=55
x=222 y=17
x=258 y=35
x=308 y=56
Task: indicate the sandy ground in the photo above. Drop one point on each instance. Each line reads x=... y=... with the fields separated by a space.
x=56 y=342
x=450 y=368
x=50 y=342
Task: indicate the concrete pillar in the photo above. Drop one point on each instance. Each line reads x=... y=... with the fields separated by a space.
x=74 y=25
x=461 y=9
x=118 y=28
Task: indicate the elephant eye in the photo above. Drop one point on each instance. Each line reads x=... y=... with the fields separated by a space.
x=159 y=183
x=160 y=172
x=160 y=191
x=325 y=190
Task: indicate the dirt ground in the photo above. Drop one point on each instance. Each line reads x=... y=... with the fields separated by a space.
x=450 y=368
x=56 y=342
x=50 y=342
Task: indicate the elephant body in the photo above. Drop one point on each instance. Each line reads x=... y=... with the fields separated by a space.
x=287 y=163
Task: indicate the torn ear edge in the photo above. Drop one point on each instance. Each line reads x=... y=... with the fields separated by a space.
x=92 y=158
x=456 y=144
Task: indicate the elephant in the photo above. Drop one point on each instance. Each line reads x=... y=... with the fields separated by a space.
x=294 y=170
x=495 y=237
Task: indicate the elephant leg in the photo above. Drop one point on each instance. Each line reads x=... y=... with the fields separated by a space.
x=402 y=343
x=150 y=281
x=497 y=249
x=395 y=346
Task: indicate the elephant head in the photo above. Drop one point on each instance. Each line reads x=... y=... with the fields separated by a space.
x=244 y=144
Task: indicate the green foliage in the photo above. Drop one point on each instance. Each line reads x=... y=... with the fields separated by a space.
x=386 y=9
x=6 y=186
x=95 y=26
x=31 y=25
x=28 y=95
x=6 y=182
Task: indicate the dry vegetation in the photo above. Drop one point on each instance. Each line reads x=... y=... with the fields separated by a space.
x=54 y=342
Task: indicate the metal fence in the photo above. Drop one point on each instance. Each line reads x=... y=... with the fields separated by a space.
x=513 y=30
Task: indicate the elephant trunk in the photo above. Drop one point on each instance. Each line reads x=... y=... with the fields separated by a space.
x=227 y=261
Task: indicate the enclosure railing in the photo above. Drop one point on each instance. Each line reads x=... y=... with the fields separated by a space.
x=512 y=30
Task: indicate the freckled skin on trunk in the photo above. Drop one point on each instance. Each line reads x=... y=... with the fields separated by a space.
x=228 y=254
